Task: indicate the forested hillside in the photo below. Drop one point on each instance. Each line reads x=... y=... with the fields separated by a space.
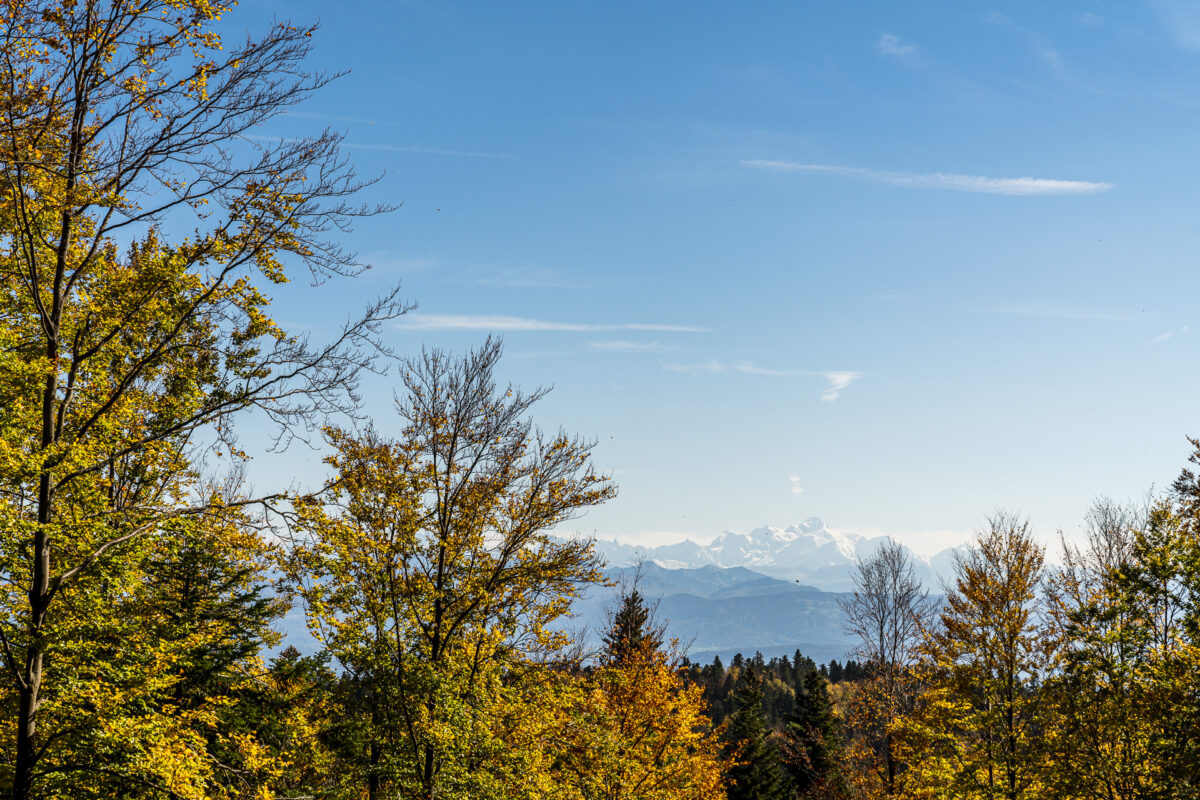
x=715 y=611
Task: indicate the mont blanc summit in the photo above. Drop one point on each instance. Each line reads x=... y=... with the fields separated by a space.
x=809 y=552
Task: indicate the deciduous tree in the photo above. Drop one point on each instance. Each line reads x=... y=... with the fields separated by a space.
x=431 y=574
x=886 y=613
x=633 y=728
x=123 y=347
x=977 y=730
x=1099 y=741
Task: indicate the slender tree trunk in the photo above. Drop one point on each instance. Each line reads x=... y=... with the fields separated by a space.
x=29 y=687
x=32 y=677
x=429 y=791
x=31 y=683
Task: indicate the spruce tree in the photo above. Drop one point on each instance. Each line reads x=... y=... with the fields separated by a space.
x=757 y=774
x=811 y=741
x=210 y=589
x=632 y=630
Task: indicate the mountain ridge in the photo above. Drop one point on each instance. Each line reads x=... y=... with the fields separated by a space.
x=809 y=552
x=713 y=610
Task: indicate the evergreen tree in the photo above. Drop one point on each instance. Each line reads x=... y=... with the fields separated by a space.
x=757 y=775
x=633 y=629
x=209 y=587
x=811 y=741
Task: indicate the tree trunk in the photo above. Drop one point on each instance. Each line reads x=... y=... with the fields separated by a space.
x=30 y=686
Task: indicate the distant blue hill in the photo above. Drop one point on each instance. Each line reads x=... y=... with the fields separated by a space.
x=711 y=610
x=727 y=610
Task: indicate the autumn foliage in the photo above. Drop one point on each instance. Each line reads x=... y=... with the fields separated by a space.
x=143 y=230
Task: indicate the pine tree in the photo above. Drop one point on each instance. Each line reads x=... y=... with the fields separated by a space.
x=210 y=588
x=757 y=774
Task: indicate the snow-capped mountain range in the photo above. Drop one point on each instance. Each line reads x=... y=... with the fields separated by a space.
x=810 y=553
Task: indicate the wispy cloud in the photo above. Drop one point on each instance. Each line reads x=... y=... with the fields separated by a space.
x=1051 y=310
x=724 y=367
x=402 y=263
x=1037 y=42
x=338 y=118
x=1162 y=337
x=890 y=45
x=395 y=148
x=472 y=322
x=432 y=151
x=837 y=382
x=941 y=180
x=794 y=486
x=1051 y=57
x=627 y=347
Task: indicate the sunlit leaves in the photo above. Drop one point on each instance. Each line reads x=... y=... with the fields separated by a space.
x=430 y=573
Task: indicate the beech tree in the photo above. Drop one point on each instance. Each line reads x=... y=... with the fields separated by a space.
x=1099 y=742
x=1157 y=592
x=124 y=348
x=430 y=573
x=977 y=730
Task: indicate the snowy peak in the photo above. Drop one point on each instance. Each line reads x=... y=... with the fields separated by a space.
x=810 y=525
x=809 y=552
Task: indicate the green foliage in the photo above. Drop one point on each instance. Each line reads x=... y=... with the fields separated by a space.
x=979 y=727
x=756 y=773
x=430 y=576
x=631 y=631
x=811 y=742
x=124 y=354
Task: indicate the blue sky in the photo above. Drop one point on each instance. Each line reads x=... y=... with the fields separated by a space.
x=894 y=265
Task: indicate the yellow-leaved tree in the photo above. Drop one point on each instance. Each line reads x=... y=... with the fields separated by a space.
x=124 y=350
x=431 y=575
x=978 y=727
x=634 y=728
